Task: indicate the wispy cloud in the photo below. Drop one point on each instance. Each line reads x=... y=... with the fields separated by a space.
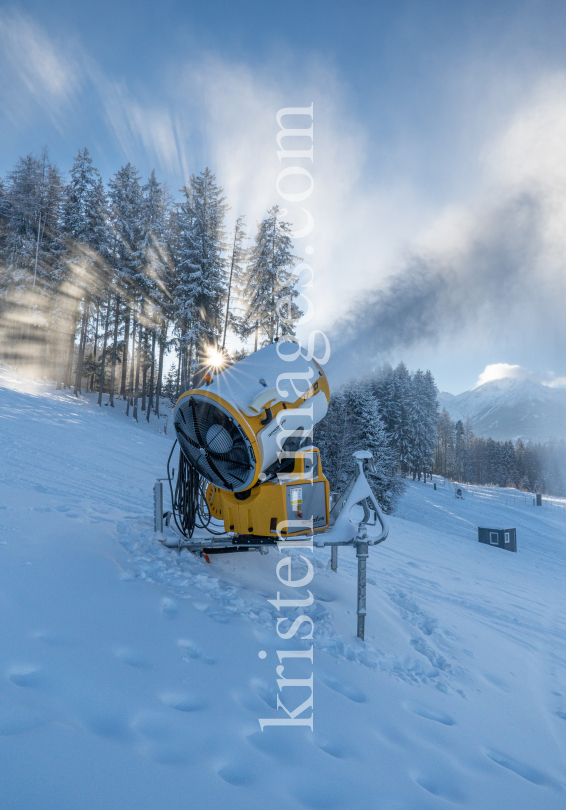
x=35 y=71
x=505 y=371
x=393 y=269
x=490 y=271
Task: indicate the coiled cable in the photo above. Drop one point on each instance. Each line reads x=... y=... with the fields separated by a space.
x=188 y=500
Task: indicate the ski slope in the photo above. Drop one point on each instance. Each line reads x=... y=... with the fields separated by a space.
x=130 y=675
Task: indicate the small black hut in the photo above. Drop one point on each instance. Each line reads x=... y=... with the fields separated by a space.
x=502 y=538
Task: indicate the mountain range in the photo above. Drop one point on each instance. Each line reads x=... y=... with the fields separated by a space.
x=511 y=409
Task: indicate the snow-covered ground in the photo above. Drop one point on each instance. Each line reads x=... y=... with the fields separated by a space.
x=130 y=676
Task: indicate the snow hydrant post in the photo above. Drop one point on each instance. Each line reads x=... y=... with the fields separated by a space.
x=334 y=558
x=362 y=555
x=158 y=506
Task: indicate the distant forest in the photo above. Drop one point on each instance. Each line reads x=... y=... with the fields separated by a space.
x=395 y=414
x=98 y=282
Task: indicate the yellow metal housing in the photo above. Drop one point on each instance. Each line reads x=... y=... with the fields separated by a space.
x=277 y=506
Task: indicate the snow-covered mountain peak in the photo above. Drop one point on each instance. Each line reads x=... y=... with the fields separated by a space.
x=511 y=408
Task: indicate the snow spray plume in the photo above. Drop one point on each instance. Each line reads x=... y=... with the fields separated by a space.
x=439 y=296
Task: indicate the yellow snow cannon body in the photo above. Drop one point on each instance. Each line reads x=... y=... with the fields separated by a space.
x=249 y=434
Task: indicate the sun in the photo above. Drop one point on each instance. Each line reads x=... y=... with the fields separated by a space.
x=215 y=358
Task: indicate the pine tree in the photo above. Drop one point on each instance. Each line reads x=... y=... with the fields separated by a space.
x=400 y=428
x=353 y=422
x=459 y=450
x=32 y=249
x=268 y=291
x=200 y=272
x=366 y=431
x=84 y=224
x=159 y=268
x=235 y=278
x=130 y=265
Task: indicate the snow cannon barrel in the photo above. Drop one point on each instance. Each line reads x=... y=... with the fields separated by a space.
x=252 y=416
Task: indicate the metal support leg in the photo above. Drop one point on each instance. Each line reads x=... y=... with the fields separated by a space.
x=334 y=558
x=362 y=555
x=158 y=507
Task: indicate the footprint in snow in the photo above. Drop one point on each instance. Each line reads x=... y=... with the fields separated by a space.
x=348 y=690
x=333 y=748
x=430 y=714
x=169 y=607
x=16 y=719
x=105 y=722
x=316 y=796
x=527 y=772
x=267 y=693
x=496 y=681
x=192 y=651
x=182 y=701
x=440 y=784
x=237 y=775
x=132 y=657
x=158 y=740
x=26 y=675
x=280 y=747
x=324 y=594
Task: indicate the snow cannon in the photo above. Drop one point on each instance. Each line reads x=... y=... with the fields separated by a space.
x=249 y=473
x=247 y=433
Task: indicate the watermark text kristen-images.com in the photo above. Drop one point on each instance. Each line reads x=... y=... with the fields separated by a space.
x=302 y=624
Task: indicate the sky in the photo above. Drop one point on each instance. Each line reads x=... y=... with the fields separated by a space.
x=439 y=163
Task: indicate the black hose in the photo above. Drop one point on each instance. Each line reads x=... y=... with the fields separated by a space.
x=188 y=501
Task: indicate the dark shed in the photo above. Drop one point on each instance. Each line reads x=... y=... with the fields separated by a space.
x=502 y=538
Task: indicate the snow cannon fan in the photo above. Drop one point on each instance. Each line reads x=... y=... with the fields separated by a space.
x=246 y=449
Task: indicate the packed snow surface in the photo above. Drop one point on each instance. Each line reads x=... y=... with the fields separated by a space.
x=130 y=675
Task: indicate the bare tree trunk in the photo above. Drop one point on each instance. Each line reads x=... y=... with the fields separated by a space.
x=151 y=376
x=159 y=372
x=144 y=379
x=129 y=392
x=114 y=352
x=70 y=357
x=230 y=286
x=137 y=381
x=183 y=368
x=190 y=373
x=104 y=344
x=82 y=347
x=178 y=391
x=144 y=369
x=95 y=343
x=123 y=385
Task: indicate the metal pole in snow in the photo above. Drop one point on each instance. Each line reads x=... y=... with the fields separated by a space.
x=362 y=554
x=158 y=507
x=334 y=558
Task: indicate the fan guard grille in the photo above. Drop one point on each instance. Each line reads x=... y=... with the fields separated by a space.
x=214 y=443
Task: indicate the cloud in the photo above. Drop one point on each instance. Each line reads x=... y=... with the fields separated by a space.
x=394 y=268
x=490 y=272
x=35 y=71
x=502 y=371
x=146 y=133
x=210 y=111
